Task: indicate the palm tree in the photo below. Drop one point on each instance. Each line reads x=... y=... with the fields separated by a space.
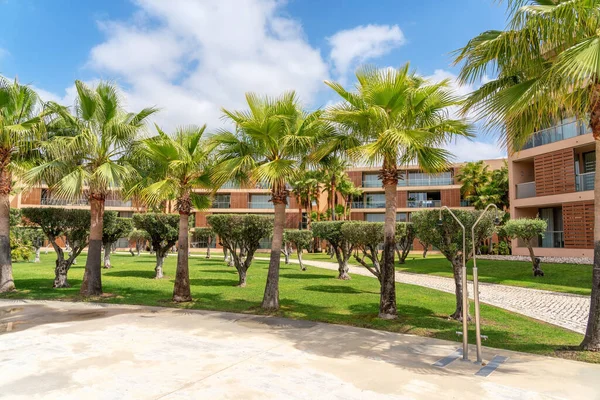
x=179 y=163
x=398 y=117
x=19 y=131
x=86 y=156
x=334 y=167
x=348 y=191
x=268 y=145
x=472 y=176
x=546 y=67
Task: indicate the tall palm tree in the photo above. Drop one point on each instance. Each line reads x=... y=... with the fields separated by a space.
x=348 y=191
x=86 y=156
x=546 y=67
x=334 y=167
x=398 y=117
x=268 y=145
x=178 y=164
x=303 y=189
x=19 y=131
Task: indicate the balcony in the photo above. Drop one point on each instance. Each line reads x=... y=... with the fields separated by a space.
x=525 y=190
x=557 y=133
x=466 y=203
x=117 y=203
x=424 y=203
x=552 y=240
x=49 y=201
x=260 y=204
x=221 y=204
x=585 y=181
x=371 y=204
x=431 y=180
x=372 y=183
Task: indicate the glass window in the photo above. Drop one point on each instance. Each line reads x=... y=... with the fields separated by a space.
x=371 y=180
x=375 y=217
x=589 y=162
x=260 y=201
x=221 y=201
x=375 y=200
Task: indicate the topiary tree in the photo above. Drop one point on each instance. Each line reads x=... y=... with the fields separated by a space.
x=366 y=237
x=241 y=235
x=35 y=238
x=332 y=232
x=405 y=236
x=20 y=245
x=300 y=239
x=163 y=230
x=204 y=234
x=448 y=238
x=140 y=237
x=58 y=223
x=527 y=229
x=113 y=229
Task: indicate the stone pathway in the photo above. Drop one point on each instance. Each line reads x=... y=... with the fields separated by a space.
x=566 y=310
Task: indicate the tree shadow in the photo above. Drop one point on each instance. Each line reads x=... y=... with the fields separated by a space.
x=213 y=282
x=304 y=276
x=132 y=274
x=335 y=289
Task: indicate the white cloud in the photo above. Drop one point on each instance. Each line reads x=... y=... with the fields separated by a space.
x=362 y=43
x=467 y=150
x=191 y=58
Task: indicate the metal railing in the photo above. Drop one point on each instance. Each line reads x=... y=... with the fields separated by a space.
x=372 y=183
x=431 y=180
x=424 y=203
x=49 y=201
x=260 y=204
x=585 y=181
x=117 y=203
x=556 y=133
x=369 y=204
x=552 y=240
x=465 y=203
x=221 y=204
x=525 y=190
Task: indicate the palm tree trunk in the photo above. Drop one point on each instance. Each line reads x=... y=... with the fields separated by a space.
x=332 y=198
x=181 y=291
x=591 y=340
x=299 y=201
x=271 y=296
x=7 y=282
x=92 y=277
x=387 y=305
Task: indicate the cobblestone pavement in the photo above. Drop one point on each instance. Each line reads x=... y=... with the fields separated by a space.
x=566 y=310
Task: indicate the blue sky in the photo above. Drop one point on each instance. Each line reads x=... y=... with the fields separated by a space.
x=191 y=57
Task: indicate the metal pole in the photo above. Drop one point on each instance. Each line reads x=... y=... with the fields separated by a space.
x=465 y=298
x=476 y=286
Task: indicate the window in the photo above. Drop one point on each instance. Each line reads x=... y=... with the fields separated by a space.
x=260 y=201
x=380 y=217
x=589 y=162
x=125 y=214
x=375 y=200
x=221 y=201
x=371 y=180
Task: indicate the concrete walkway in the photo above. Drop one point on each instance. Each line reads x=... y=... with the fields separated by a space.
x=566 y=310
x=60 y=350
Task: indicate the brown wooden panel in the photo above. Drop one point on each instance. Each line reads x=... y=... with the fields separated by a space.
x=238 y=200
x=357 y=216
x=450 y=197
x=401 y=199
x=292 y=203
x=291 y=220
x=554 y=172
x=201 y=219
x=33 y=196
x=578 y=225
x=355 y=177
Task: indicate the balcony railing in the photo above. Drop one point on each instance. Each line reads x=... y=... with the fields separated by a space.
x=552 y=240
x=466 y=203
x=371 y=204
x=221 y=204
x=260 y=204
x=525 y=190
x=585 y=181
x=431 y=180
x=424 y=203
x=556 y=133
x=48 y=201
x=117 y=203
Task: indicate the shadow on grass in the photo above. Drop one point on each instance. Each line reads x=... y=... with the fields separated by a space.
x=336 y=289
x=213 y=282
x=131 y=273
x=304 y=276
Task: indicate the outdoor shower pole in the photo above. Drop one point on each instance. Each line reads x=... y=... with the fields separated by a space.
x=476 y=284
x=465 y=298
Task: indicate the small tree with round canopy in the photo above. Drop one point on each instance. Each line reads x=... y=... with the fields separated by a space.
x=113 y=229
x=163 y=232
x=300 y=239
x=527 y=230
x=342 y=248
x=205 y=235
x=448 y=238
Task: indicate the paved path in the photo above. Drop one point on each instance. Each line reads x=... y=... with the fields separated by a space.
x=60 y=350
x=566 y=310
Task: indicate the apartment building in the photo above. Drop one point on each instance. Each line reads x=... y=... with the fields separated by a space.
x=416 y=191
x=552 y=177
x=42 y=197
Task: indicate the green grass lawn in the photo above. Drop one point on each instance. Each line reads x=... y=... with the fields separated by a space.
x=565 y=278
x=312 y=295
